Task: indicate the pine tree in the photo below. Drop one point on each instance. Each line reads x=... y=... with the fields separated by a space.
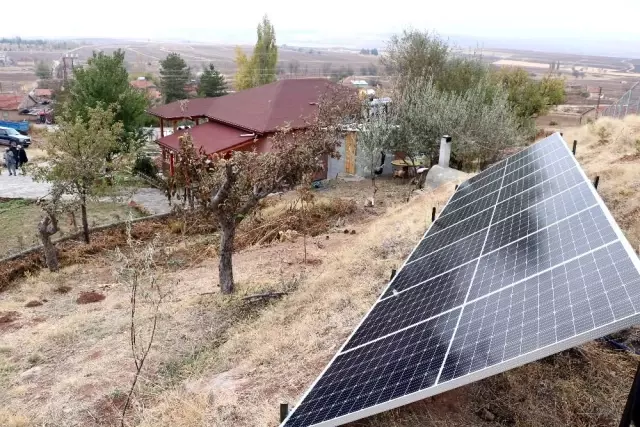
x=174 y=75
x=105 y=82
x=212 y=83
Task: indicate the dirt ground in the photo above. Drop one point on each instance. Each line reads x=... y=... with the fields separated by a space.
x=222 y=361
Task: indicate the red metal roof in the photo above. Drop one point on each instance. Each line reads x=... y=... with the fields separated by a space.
x=211 y=136
x=10 y=101
x=261 y=109
x=142 y=84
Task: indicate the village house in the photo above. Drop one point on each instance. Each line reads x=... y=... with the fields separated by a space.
x=239 y=121
x=12 y=107
x=148 y=87
x=43 y=94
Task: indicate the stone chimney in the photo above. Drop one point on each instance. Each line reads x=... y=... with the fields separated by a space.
x=445 y=151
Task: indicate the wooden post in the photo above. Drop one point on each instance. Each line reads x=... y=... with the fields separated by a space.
x=171 y=165
x=161 y=127
x=175 y=125
x=284 y=411
x=197 y=121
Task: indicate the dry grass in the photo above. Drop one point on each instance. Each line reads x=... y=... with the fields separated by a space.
x=235 y=366
x=20 y=218
x=617 y=163
x=219 y=360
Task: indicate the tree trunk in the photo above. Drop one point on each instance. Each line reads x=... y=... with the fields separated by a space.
x=226 y=252
x=50 y=251
x=85 y=222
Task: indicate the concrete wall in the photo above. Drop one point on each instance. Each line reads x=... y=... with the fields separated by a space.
x=14 y=116
x=337 y=166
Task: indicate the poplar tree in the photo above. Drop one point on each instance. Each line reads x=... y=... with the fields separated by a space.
x=260 y=68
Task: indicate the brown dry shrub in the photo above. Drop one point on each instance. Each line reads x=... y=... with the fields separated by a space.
x=9 y=316
x=74 y=252
x=34 y=303
x=89 y=297
x=317 y=218
x=62 y=289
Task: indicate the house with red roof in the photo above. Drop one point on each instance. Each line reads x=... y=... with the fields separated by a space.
x=12 y=106
x=243 y=120
x=148 y=87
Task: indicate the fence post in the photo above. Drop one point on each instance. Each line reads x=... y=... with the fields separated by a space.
x=284 y=411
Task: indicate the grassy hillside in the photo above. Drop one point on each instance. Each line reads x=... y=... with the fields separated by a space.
x=223 y=361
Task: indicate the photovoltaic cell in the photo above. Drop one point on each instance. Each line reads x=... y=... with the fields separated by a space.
x=472 y=208
x=438 y=262
x=415 y=305
x=524 y=261
x=394 y=366
x=569 y=300
x=541 y=250
x=436 y=240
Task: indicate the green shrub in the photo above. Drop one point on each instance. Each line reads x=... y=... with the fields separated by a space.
x=145 y=165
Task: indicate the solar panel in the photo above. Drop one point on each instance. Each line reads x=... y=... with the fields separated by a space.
x=524 y=261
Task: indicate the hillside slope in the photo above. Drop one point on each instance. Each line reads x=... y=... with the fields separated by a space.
x=219 y=361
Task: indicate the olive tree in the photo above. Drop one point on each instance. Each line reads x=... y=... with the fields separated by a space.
x=52 y=207
x=481 y=120
x=374 y=138
x=79 y=156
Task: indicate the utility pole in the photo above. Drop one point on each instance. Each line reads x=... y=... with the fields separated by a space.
x=64 y=69
x=598 y=104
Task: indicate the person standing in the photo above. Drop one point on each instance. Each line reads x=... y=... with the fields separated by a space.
x=10 y=161
x=22 y=159
x=16 y=155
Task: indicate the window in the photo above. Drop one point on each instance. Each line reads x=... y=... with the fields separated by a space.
x=3 y=132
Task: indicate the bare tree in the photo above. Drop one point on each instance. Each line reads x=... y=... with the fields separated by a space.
x=228 y=188
x=294 y=67
x=137 y=269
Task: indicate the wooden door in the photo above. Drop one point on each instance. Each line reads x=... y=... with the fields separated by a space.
x=350 y=153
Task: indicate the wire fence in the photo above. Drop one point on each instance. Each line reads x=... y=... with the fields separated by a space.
x=629 y=103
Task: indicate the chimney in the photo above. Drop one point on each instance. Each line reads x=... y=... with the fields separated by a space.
x=445 y=151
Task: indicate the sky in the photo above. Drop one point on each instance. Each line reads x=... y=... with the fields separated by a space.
x=342 y=22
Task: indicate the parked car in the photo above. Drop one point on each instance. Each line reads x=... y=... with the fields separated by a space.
x=9 y=135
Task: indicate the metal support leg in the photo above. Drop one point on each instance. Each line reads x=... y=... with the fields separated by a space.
x=632 y=408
